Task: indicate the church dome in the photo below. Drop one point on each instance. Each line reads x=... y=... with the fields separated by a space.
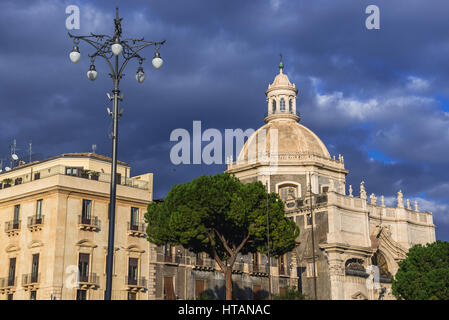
x=283 y=137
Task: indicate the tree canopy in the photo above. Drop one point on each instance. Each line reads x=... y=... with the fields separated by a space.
x=424 y=274
x=221 y=216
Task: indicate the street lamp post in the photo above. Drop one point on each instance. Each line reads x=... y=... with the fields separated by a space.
x=111 y=48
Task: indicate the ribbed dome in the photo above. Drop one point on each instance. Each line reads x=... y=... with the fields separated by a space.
x=292 y=138
x=281 y=80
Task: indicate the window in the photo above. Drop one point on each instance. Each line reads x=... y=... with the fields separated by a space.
x=287 y=192
x=86 y=213
x=10 y=296
x=33 y=295
x=81 y=295
x=199 y=259
x=37 y=176
x=12 y=272
x=35 y=268
x=281 y=265
x=290 y=105
x=16 y=219
x=282 y=104
x=134 y=218
x=132 y=296
x=39 y=211
x=132 y=271
x=73 y=171
x=308 y=219
x=18 y=181
x=168 y=253
x=273 y=105
x=83 y=267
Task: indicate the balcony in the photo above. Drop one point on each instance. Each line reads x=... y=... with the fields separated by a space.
x=8 y=285
x=88 y=281
x=12 y=227
x=137 y=229
x=259 y=270
x=238 y=267
x=35 y=223
x=206 y=264
x=135 y=284
x=88 y=223
x=31 y=281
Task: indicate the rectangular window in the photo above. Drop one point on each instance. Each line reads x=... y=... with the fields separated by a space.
x=199 y=259
x=10 y=296
x=133 y=271
x=18 y=181
x=132 y=296
x=39 y=211
x=282 y=265
x=134 y=218
x=33 y=295
x=83 y=267
x=168 y=253
x=16 y=216
x=12 y=272
x=81 y=295
x=35 y=268
x=73 y=171
x=37 y=176
x=86 y=213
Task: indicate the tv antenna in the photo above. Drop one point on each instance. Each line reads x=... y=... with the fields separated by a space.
x=13 y=149
x=94 y=148
x=30 y=149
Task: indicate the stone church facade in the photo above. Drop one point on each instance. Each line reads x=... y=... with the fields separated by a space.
x=349 y=245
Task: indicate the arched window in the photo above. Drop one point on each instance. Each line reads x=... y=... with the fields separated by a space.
x=286 y=192
x=282 y=104
x=379 y=260
x=273 y=104
x=290 y=105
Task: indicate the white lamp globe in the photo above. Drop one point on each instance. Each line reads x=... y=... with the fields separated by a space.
x=92 y=73
x=75 y=55
x=140 y=75
x=157 y=61
x=117 y=49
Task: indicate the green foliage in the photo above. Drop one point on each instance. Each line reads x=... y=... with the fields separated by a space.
x=219 y=212
x=291 y=293
x=204 y=296
x=424 y=274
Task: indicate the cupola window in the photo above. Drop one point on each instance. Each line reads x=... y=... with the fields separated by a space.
x=273 y=104
x=290 y=105
x=282 y=104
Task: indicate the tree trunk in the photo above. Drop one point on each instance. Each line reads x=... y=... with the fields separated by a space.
x=228 y=276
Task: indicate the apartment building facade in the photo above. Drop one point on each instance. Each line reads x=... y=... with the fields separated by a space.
x=55 y=217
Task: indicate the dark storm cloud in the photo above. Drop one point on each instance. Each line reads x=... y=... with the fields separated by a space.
x=373 y=96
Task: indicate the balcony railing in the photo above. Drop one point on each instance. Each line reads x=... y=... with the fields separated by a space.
x=137 y=229
x=12 y=227
x=135 y=284
x=283 y=270
x=61 y=170
x=258 y=269
x=88 y=223
x=35 y=223
x=7 y=284
x=205 y=264
x=88 y=281
x=30 y=280
x=356 y=272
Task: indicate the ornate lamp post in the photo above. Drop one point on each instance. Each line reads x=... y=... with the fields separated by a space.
x=111 y=48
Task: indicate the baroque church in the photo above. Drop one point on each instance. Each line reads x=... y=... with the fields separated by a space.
x=349 y=245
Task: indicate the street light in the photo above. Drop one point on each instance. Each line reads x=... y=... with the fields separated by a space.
x=111 y=49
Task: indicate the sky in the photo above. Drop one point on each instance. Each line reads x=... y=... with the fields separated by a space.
x=379 y=97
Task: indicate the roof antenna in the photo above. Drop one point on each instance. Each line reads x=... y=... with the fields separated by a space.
x=30 y=144
x=94 y=148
